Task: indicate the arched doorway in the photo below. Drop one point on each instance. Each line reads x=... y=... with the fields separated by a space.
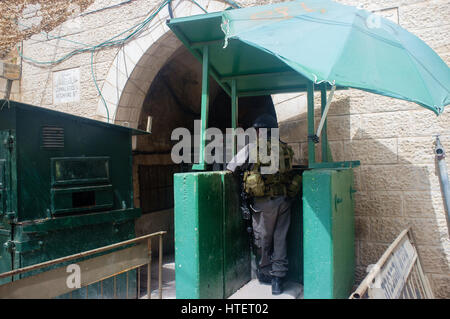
x=155 y=76
x=172 y=101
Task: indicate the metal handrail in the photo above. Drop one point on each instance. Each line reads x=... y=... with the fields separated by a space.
x=100 y=250
x=78 y=255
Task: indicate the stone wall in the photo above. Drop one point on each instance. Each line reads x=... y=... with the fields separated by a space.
x=20 y=19
x=397 y=182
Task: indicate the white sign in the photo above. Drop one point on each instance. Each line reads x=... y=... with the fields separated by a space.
x=390 y=281
x=66 y=86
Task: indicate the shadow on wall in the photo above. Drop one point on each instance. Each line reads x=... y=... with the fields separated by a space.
x=393 y=192
x=174 y=100
x=249 y=108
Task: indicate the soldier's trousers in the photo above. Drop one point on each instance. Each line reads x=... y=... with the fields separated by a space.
x=270 y=228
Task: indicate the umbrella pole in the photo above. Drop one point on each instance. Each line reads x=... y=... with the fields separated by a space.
x=311 y=144
x=324 y=141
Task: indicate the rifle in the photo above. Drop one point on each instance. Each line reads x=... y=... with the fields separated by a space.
x=245 y=204
x=246 y=210
x=245 y=199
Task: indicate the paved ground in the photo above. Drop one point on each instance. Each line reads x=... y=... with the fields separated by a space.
x=168 y=282
x=252 y=290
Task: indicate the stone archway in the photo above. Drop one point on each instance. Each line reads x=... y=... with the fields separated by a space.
x=133 y=75
x=138 y=62
x=155 y=75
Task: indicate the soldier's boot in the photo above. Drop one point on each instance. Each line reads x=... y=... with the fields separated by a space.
x=263 y=278
x=277 y=285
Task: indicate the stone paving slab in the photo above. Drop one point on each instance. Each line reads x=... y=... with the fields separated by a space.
x=254 y=290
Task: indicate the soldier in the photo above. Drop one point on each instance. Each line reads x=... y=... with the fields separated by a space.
x=269 y=198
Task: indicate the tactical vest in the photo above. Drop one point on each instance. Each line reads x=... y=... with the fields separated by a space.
x=283 y=182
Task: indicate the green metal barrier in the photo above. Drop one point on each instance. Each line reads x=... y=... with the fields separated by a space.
x=212 y=254
x=328 y=233
x=327 y=248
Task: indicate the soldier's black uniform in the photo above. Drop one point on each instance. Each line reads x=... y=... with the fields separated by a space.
x=270 y=207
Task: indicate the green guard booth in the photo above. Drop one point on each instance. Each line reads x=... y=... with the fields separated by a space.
x=212 y=248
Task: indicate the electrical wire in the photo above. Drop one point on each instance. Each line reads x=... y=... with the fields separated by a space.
x=135 y=30
x=114 y=41
x=198 y=5
x=52 y=37
x=111 y=41
x=96 y=85
x=169 y=5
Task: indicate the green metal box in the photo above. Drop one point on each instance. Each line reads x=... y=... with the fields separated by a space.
x=212 y=251
x=65 y=185
x=328 y=233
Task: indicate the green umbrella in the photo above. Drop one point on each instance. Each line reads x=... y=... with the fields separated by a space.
x=345 y=46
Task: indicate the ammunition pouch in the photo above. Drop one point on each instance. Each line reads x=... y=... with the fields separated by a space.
x=295 y=185
x=276 y=190
x=282 y=183
x=254 y=184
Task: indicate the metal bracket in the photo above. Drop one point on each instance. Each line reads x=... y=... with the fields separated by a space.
x=9 y=142
x=11 y=215
x=28 y=246
x=314 y=138
x=337 y=200
x=439 y=149
x=336 y=165
x=9 y=246
x=352 y=191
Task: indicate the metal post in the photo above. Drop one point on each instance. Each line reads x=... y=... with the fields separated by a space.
x=311 y=147
x=234 y=112
x=149 y=269
x=127 y=284
x=205 y=108
x=115 y=287
x=443 y=175
x=324 y=140
x=160 y=266
x=138 y=282
x=8 y=88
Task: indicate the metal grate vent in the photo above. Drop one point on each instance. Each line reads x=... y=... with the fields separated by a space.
x=52 y=137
